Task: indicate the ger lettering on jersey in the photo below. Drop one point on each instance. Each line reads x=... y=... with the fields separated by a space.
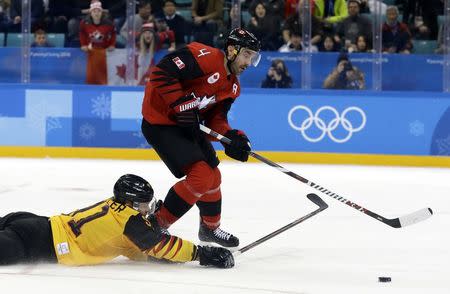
x=108 y=229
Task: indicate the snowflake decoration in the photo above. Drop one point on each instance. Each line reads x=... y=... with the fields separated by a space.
x=444 y=146
x=53 y=123
x=87 y=131
x=101 y=106
x=416 y=128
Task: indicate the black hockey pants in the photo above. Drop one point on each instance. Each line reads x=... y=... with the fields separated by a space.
x=25 y=238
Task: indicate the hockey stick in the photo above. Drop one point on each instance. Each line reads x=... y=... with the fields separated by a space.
x=398 y=222
x=313 y=197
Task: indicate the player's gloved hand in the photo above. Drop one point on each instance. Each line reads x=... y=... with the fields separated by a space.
x=239 y=147
x=215 y=256
x=187 y=115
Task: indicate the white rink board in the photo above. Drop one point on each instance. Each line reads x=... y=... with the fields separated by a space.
x=338 y=251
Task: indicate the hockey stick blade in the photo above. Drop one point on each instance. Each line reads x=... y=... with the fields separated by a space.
x=413 y=218
x=399 y=222
x=313 y=197
x=317 y=200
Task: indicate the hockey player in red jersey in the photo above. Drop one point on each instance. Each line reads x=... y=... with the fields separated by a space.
x=197 y=84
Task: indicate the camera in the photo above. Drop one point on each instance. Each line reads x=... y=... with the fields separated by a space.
x=348 y=66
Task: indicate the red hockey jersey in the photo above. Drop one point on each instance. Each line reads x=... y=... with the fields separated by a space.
x=195 y=69
x=102 y=35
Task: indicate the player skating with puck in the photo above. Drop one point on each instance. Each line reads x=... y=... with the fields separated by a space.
x=197 y=84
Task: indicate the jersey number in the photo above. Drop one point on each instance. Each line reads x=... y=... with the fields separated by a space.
x=76 y=225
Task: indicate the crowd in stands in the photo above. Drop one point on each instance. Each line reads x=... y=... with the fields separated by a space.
x=337 y=25
x=344 y=26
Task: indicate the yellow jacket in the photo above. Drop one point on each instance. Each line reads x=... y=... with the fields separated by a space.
x=340 y=10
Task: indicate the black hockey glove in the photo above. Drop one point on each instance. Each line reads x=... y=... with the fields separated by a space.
x=239 y=147
x=215 y=256
x=187 y=115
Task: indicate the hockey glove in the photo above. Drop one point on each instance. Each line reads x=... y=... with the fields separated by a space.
x=187 y=115
x=239 y=147
x=215 y=256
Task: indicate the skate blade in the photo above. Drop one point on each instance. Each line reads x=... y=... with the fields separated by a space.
x=204 y=243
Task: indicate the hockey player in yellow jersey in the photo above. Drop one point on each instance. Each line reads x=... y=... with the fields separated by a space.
x=123 y=225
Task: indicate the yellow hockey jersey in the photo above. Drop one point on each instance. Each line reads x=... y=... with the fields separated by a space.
x=108 y=229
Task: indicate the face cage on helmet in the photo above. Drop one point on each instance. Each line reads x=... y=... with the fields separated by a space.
x=151 y=205
x=255 y=59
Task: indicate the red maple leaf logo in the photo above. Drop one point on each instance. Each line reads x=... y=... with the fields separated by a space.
x=121 y=70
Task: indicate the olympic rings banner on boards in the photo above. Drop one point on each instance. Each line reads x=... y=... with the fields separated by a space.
x=399 y=123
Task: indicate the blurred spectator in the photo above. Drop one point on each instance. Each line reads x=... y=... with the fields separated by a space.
x=277 y=76
x=274 y=7
x=73 y=25
x=59 y=14
x=157 y=7
x=368 y=6
x=265 y=27
x=175 y=22
x=329 y=45
x=396 y=37
x=296 y=44
x=117 y=11
x=419 y=30
x=207 y=18
x=363 y=45
x=37 y=14
x=352 y=26
x=40 y=39
x=422 y=15
x=97 y=33
x=5 y=18
x=144 y=15
x=96 y=30
x=330 y=11
x=150 y=42
x=345 y=76
x=291 y=7
x=295 y=22
x=165 y=35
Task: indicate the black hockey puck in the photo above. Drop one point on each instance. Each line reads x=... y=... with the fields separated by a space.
x=384 y=279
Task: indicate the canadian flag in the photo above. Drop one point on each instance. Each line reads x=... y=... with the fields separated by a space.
x=178 y=62
x=117 y=67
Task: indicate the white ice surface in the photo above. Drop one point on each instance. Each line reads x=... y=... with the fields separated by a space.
x=338 y=251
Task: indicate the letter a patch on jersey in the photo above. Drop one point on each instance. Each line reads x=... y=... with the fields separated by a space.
x=180 y=64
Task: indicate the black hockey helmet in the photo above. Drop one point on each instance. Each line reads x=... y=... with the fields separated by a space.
x=241 y=38
x=132 y=188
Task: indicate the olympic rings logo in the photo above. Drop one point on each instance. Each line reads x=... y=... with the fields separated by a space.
x=327 y=128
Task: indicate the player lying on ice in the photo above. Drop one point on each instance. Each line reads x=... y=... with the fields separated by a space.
x=121 y=225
